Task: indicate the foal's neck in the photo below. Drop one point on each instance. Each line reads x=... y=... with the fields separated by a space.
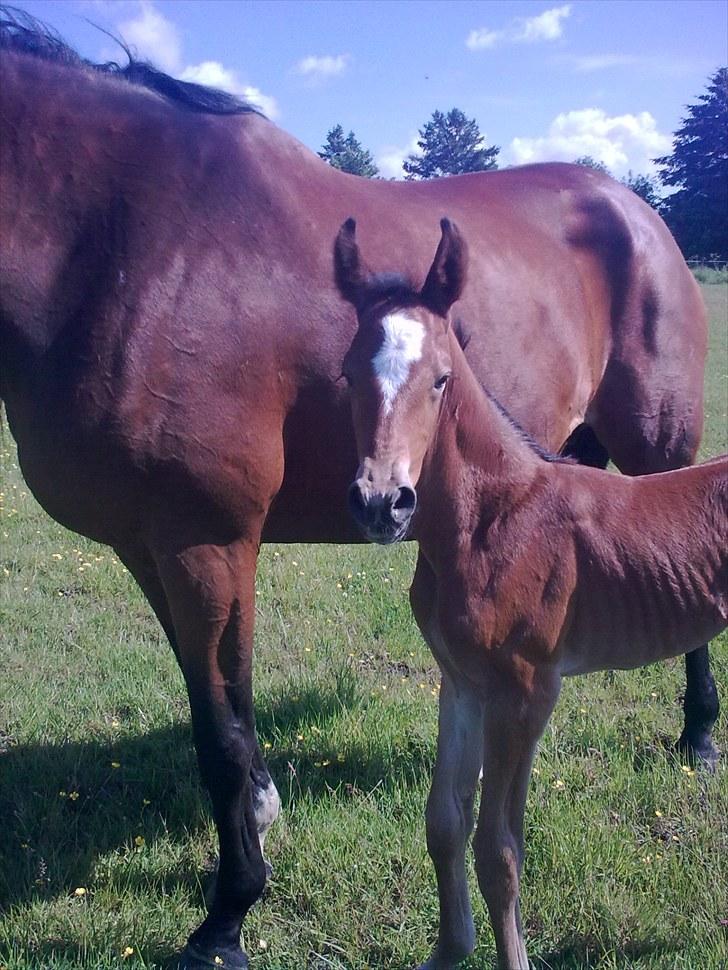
x=478 y=465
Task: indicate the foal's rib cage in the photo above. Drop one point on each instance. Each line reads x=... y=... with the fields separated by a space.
x=650 y=573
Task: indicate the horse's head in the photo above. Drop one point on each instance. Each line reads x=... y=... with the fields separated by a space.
x=397 y=369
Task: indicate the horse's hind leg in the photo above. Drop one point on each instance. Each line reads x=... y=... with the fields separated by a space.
x=211 y=596
x=701 y=708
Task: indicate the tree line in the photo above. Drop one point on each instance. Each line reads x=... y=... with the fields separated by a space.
x=690 y=190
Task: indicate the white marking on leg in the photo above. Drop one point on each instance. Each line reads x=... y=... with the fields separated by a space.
x=401 y=347
x=267 y=805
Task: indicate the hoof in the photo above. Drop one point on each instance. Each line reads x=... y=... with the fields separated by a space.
x=700 y=752
x=226 y=959
x=439 y=962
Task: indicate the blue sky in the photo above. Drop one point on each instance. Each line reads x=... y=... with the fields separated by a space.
x=608 y=78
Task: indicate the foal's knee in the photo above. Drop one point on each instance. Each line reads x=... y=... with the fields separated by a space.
x=497 y=866
x=448 y=823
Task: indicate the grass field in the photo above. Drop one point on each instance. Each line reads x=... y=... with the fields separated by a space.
x=105 y=833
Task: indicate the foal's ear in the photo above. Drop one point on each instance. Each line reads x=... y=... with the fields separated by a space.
x=349 y=272
x=446 y=278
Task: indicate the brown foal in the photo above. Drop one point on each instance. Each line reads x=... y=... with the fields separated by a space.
x=529 y=569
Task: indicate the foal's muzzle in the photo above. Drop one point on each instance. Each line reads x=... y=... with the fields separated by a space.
x=383 y=517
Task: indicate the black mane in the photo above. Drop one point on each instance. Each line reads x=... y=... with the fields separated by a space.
x=21 y=33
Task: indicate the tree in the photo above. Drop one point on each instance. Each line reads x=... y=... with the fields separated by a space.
x=451 y=144
x=347 y=154
x=645 y=186
x=588 y=162
x=697 y=212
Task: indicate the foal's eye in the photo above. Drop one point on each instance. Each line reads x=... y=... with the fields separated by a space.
x=441 y=382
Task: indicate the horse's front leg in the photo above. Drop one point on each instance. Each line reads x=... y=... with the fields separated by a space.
x=210 y=590
x=450 y=818
x=266 y=802
x=515 y=718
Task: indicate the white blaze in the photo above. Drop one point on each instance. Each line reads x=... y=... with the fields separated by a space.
x=401 y=347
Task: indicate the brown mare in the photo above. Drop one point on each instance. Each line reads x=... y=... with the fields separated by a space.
x=171 y=340
x=530 y=568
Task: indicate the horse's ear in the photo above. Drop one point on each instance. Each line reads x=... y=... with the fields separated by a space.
x=350 y=275
x=446 y=279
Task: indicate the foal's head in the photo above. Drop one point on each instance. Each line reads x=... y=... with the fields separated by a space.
x=397 y=369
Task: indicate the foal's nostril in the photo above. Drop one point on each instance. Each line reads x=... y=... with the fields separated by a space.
x=405 y=501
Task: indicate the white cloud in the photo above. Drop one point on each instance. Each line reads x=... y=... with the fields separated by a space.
x=154 y=38
x=319 y=68
x=545 y=26
x=266 y=102
x=216 y=75
x=622 y=142
x=483 y=39
x=389 y=160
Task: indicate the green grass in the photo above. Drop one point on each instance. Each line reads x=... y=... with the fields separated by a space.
x=710 y=274
x=626 y=852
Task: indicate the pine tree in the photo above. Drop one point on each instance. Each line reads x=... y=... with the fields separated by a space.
x=645 y=186
x=347 y=154
x=697 y=213
x=451 y=145
x=589 y=162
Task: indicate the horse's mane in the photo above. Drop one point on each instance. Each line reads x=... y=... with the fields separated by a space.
x=21 y=33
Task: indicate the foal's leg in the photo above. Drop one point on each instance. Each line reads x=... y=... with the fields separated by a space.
x=449 y=813
x=266 y=801
x=450 y=818
x=210 y=590
x=515 y=718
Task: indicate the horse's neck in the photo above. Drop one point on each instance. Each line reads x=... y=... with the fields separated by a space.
x=477 y=466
